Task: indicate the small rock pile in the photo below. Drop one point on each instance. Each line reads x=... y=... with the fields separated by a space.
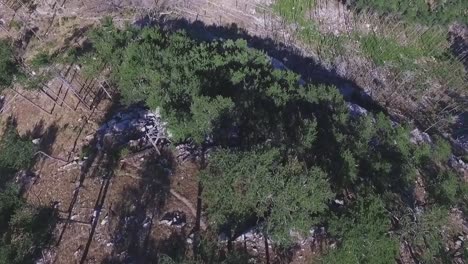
x=253 y=240
x=460 y=166
x=419 y=137
x=356 y=110
x=133 y=125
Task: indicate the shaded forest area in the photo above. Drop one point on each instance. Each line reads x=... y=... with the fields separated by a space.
x=275 y=153
x=25 y=229
x=278 y=153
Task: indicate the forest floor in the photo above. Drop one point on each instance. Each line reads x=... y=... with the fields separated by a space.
x=129 y=203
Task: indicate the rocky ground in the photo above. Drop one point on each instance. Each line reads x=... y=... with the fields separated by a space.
x=148 y=204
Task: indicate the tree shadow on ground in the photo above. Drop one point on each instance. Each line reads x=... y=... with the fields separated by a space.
x=98 y=163
x=46 y=138
x=135 y=215
x=459 y=44
x=26 y=230
x=107 y=161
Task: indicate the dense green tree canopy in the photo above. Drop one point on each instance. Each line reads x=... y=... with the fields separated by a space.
x=365 y=234
x=265 y=185
x=283 y=149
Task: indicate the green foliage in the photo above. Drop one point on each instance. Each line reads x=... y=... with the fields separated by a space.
x=293 y=142
x=9 y=202
x=205 y=112
x=442 y=183
x=24 y=230
x=365 y=235
x=258 y=184
x=442 y=150
x=29 y=231
x=16 y=24
x=438 y=12
x=464 y=196
x=16 y=152
x=427 y=231
x=175 y=74
x=8 y=65
x=423 y=54
x=40 y=60
x=423 y=58
x=35 y=82
x=11 y=72
x=382 y=50
x=293 y=10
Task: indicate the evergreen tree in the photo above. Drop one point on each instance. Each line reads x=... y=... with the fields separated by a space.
x=364 y=234
x=8 y=65
x=261 y=184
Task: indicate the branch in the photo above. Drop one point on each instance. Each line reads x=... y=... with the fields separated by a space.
x=189 y=205
x=50 y=157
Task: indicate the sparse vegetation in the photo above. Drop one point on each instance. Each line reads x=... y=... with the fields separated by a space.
x=24 y=229
x=417 y=58
x=40 y=59
x=420 y=11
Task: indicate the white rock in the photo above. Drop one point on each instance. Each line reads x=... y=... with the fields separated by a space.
x=340 y=202
x=120 y=127
x=165 y=222
x=417 y=137
x=356 y=110
x=104 y=221
x=36 y=141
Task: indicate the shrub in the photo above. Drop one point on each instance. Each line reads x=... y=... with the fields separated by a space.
x=365 y=235
x=8 y=65
x=259 y=184
x=16 y=152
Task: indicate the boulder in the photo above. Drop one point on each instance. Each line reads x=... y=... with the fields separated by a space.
x=175 y=218
x=339 y=202
x=356 y=110
x=460 y=166
x=418 y=137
